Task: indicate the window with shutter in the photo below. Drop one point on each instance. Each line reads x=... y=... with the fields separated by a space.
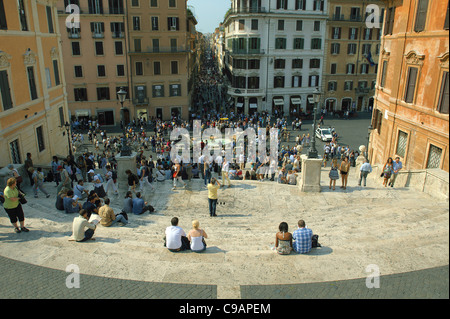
x=383 y=74
x=49 y=19
x=5 y=91
x=40 y=138
x=56 y=72
x=443 y=95
x=402 y=143
x=3 y=24
x=410 y=85
x=32 y=83
x=15 y=152
x=421 y=15
x=445 y=22
x=434 y=157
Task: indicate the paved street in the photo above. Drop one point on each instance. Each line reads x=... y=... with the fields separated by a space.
x=45 y=283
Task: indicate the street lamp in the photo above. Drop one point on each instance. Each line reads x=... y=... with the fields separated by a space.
x=312 y=152
x=125 y=150
x=67 y=126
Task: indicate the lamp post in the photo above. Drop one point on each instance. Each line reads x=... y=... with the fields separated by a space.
x=125 y=150
x=312 y=152
x=67 y=126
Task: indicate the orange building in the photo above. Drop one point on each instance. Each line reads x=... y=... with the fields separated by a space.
x=410 y=117
x=33 y=107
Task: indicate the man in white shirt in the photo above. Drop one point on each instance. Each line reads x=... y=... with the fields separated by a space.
x=79 y=224
x=365 y=169
x=175 y=239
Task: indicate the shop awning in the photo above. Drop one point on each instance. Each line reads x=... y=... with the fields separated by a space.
x=296 y=100
x=239 y=104
x=81 y=113
x=311 y=100
x=253 y=106
x=278 y=101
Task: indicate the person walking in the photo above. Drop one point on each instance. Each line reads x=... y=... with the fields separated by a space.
x=344 y=168
x=177 y=175
x=38 y=178
x=388 y=168
x=213 y=187
x=225 y=169
x=334 y=174
x=365 y=170
x=110 y=180
x=396 y=167
x=12 y=205
x=28 y=164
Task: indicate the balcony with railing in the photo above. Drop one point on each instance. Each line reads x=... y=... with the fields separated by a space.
x=250 y=10
x=245 y=51
x=140 y=100
x=350 y=18
x=83 y=10
x=161 y=50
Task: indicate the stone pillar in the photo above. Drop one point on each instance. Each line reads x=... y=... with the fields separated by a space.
x=311 y=171
x=246 y=105
x=124 y=163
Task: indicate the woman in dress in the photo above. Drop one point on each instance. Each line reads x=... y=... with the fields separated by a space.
x=344 y=168
x=334 y=174
x=388 y=168
x=283 y=240
x=197 y=237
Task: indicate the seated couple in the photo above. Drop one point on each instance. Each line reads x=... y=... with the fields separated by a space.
x=301 y=241
x=176 y=239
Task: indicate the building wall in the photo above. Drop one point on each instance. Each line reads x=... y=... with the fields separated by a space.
x=412 y=129
x=343 y=16
x=89 y=60
x=37 y=48
x=164 y=106
x=268 y=16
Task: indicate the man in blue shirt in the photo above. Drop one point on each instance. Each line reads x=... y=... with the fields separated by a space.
x=140 y=206
x=397 y=166
x=70 y=204
x=302 y=237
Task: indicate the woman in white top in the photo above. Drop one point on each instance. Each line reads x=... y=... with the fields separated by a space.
x=197 y=237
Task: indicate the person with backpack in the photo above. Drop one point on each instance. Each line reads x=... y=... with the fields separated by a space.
x=133 y=181
x=111 y=180
x=144 y=178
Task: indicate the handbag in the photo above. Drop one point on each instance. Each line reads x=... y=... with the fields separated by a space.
x=22 y=198
x=19 y=179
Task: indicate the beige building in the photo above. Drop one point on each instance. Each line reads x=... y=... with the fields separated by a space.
x=95 y=59
x=351 y=56
x=146 y=47
x=33 y=106
x=161 y=47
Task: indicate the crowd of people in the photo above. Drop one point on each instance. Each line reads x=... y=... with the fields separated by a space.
x=86 y=182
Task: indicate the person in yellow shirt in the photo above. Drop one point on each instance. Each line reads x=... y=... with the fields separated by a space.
x=213 y=187
x=108 y=217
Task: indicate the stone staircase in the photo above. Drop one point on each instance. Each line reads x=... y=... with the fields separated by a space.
x=397 y=229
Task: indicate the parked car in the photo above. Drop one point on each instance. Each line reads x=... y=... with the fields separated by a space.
x=324 y=134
